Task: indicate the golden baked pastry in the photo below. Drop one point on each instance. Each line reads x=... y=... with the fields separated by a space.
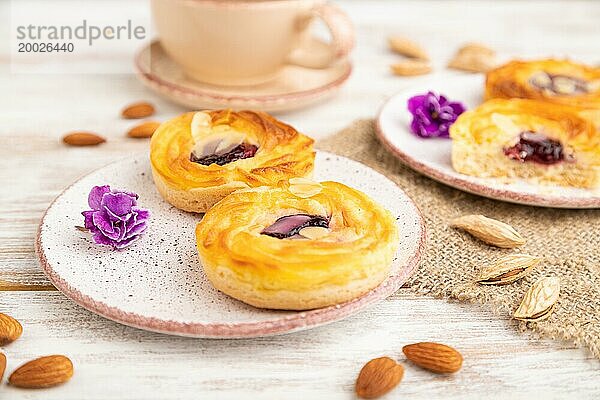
x=298 y=246
x=555 y=81
x=517 y=138
x=200 y=157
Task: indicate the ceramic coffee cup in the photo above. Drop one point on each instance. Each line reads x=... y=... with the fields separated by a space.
x=245 y=42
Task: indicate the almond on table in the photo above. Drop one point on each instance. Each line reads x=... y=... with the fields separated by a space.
x=378 y=377
x=83 y=138
x=10 y=329
x=143 y=130
x=2 y=365
x=408 y=48
x=42 y=372
x=434 y=357
x=411 y=67
x=138 y=110
x=473 y=57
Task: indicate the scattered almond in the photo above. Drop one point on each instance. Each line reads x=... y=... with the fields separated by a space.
x=473 y=57
x=411 y=68
x=490 y=231
x=10 y=329
x=476 y=48
x=434 y=357
x=42 y=372
x=82 y=138
x=407 y=48
x=2 y=365
x=508 y=269
x=378 y=377
x=143 y=130
x=138 y=110
x=539 y=300
x=471 y=63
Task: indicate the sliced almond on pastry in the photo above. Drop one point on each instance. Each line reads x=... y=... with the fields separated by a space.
x=564 y=85
x=201 y=126
x=314 y=232
x=304 y=188
x=541 y=80
x=229 y=142
x=213 y=140
x=593 y=86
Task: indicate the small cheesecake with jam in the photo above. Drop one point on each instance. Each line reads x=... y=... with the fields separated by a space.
x=200 y=157
x=527 y=139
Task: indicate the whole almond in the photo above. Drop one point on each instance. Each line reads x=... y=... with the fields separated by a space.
x=378 y=377
x=434 y=357
x=472 y=63
x=407 y=48
x=411 y=68
x=508 y=269
x=10 y=329
x=82 y=138
x=143 y=130
x=138 y=110
x=473 y=57
x=2 y=365
x=538 y=302
x=476 y=48
x=42 y=372
x=490 y=231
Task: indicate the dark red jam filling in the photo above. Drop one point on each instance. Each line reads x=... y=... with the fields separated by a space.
x=291 y=225
x=536 y=147
x=240 y=152
x=579 y=85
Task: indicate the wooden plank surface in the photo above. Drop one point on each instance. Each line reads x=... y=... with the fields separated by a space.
x=114 y=361
x=117 y=362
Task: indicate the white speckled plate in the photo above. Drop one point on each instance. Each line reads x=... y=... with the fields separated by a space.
x=158 y=283
x=431 y=157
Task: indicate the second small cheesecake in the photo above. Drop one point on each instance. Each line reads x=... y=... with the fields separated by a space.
x=297 y=246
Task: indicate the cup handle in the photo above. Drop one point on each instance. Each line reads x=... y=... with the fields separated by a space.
x=314 y=53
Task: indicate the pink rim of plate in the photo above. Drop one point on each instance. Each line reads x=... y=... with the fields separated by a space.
x=297 y=321
x=154 y=80
x=479 y=189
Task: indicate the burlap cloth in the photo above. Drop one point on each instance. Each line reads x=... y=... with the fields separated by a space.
x=568 y=241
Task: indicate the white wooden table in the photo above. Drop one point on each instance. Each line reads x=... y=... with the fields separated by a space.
x=117 y=362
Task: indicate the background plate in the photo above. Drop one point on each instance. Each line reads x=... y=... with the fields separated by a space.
x=158 y=283
x=431 y=157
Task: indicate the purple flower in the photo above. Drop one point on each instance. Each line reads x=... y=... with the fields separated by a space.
x=114 y=219
x=433 y=115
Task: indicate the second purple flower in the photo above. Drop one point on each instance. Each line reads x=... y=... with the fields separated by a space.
x=433 y=114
